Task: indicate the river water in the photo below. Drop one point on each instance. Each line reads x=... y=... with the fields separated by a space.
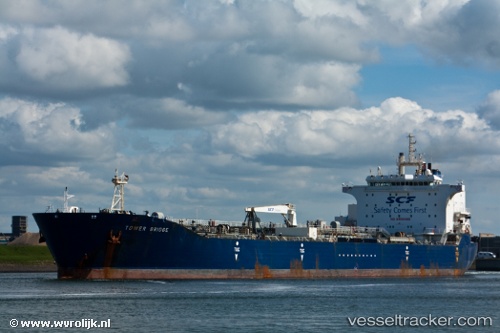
x=465 y=304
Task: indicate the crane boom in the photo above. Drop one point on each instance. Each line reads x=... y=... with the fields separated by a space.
x=286 y=210
x=275 y=209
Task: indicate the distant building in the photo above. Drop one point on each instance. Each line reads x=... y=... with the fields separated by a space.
x=489 y=243
x=19 y=226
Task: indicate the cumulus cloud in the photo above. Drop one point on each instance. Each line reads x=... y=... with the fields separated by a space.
x=461 y=31
x=490 y=109
x=343 y=133
x=220 y=102
x=57 y=60
x=231 y=55
x=171 y=114
x=470 y=35
x=243 y=80
x=325 y=30
x=68 y=60
x=47 y=134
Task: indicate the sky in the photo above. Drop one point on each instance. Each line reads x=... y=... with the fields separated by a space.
x=216 y=105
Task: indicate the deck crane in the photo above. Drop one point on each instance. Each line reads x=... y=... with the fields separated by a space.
x=286 y=210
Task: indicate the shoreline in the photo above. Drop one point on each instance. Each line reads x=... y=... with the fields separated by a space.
x=27 y=268
x=24 y=255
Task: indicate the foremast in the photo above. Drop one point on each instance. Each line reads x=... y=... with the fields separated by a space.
x=66 y=197
x=118 y=203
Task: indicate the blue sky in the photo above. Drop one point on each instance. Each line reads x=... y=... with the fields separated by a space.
x=217 y=105
x=405 y=72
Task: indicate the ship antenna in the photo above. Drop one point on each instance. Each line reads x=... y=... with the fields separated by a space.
x=66 y=198
x=118 y=203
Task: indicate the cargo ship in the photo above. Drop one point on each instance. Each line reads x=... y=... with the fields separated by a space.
x=402 y=225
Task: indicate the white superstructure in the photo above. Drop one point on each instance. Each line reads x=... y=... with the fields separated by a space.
x=417 y=204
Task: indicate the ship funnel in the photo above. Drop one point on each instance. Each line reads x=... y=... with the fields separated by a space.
x=401 y=162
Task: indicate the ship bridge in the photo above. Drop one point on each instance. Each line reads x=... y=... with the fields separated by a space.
x=405 y=180
x=414 y=203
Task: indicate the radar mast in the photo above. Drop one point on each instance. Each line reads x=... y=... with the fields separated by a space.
x=412 y=160
x=118 y=203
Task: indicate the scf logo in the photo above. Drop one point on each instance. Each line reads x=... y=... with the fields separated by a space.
x=400 y=199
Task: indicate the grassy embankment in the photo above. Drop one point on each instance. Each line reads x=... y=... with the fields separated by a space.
x=25 y=258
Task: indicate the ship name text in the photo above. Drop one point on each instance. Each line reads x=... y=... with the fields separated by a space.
x=145 y=228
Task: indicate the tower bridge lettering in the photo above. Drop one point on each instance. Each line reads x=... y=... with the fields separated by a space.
x=145 y=228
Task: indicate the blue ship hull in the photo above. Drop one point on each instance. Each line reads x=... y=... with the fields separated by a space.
x=126 y=246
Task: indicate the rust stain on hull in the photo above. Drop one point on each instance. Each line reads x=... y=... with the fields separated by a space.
x=262 y=272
